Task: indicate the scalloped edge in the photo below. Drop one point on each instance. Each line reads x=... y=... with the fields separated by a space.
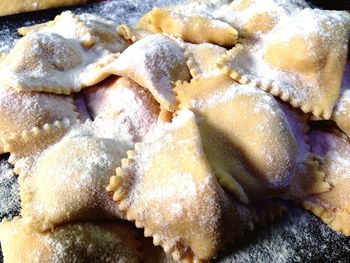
x=119 y=195
x=165 y=104
x=333 y=220
x=313 y=170
x=126 y=32
x=180 y=34
x=57 y=128
x=190 y=62
x=91 y=74
x=313 y=166
x=131 y=34
x=21 y=87
x=267 y=86
x=275 y=210
x=26 y=135
x=3 y=135
x=119 y=189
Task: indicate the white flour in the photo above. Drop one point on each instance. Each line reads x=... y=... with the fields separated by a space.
x=9 y=195
x=300 y=237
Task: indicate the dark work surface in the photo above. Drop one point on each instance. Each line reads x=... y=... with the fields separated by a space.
x=298 y=237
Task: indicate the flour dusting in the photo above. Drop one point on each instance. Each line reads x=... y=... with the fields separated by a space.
x=300 y=237
x=9 y=196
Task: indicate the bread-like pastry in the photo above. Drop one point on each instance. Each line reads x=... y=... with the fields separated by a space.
x=191 y=27
x=167 y=180
x=20 y=111
x=155 y=62
x=8 y=7
x=332 y=207
x=79 y=242
x=65 y=182
x=300 y=62
x=125 y=104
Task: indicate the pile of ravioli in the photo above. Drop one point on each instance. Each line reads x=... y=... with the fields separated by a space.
x=192 y=124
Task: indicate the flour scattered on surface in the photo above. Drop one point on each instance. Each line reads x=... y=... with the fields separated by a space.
x=300 y=237
x=9 y=195
x=4 y=48
x=128 y=11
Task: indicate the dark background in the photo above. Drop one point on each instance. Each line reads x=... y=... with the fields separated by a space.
x=298 y=237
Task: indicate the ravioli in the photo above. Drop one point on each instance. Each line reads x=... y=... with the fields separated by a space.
x=23 y=111
x=155 y=62
x=246 y=135
x=125 y=104
x=333 y=206
x=300 y=62
x=168 y=179
x=91 y=30
x=79 y=242
x=194 y=28
x=65 y=181
x=160 y=124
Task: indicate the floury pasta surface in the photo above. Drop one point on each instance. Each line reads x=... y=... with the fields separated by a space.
x=195 y=138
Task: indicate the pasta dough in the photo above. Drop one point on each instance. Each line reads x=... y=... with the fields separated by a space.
x=207 y=98
x=126 y=104
x=202 y=59
x=300 y=62
x=154 y=62
x=81 y=55
x=213 y=151
x=80 y=242
x=193 y=28
x=91 y=30
x=67 y=70
x=20 y=111
x=60 y=189
x=341 y=113
x=169 y=180
x=8 y=7
x=255 y=18
x=238 y=124
x=332 y=207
